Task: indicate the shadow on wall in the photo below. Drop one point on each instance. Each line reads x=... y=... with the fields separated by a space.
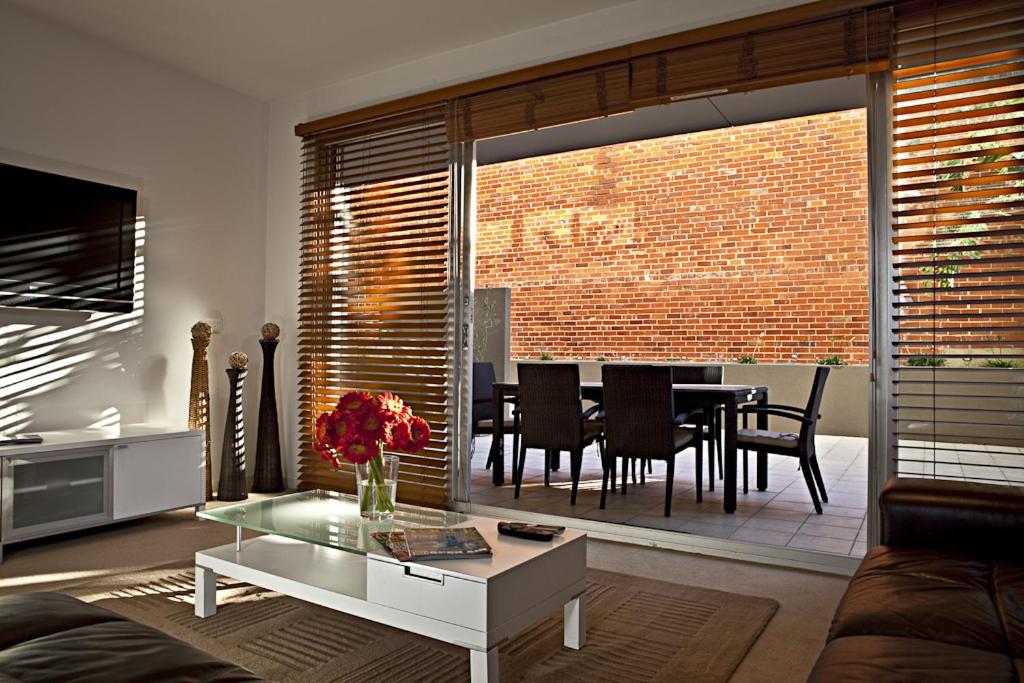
x=70 y=369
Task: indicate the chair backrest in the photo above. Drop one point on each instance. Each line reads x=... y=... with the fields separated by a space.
x=814 y=402
x=696 y=374
x=638 y=410
x=483 y=379
x=549 y=399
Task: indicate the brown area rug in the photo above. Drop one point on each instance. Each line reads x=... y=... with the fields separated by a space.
x=637 y=630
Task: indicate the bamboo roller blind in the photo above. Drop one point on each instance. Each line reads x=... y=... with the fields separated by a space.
x=376 y=311
x=958 y=239
x=849 y=43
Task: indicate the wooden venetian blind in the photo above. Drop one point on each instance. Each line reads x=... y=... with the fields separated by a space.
x=855 y=42
x=958 y=239
x=544 y=102
x=376 y=309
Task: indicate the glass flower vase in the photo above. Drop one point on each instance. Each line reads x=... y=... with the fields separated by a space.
x=376 y=485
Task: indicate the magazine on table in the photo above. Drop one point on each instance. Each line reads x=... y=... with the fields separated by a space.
x=434 y=543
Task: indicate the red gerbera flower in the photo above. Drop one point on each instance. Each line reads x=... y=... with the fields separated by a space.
x=393 y=408
x=360 y=450
x=401 y=436
x=324 y=423
x=345 y=428
x=374 y=426
x=356 y=402
x=420 y=434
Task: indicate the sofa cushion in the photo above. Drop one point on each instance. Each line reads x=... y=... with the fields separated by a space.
x=50 y=637
x=26 y=616
x=1008 y=590
x=925 y=594
x=891 y=659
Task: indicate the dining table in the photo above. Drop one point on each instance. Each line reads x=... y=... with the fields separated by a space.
x=707 y=397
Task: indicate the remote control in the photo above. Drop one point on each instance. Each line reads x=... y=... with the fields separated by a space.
x=528 y=531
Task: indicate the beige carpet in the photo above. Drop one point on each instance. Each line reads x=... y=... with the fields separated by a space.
x=638 y=630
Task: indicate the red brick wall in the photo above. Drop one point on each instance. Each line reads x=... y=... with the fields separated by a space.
x=707 y=246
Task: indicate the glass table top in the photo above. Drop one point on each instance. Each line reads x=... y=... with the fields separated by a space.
x=326 y=518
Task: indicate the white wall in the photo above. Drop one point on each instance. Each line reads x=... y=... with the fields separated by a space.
x=606 y=28
x=200 y=152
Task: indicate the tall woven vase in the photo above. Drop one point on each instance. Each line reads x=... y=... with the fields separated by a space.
x=199 y=396
x=268 y=477
x=232 y=456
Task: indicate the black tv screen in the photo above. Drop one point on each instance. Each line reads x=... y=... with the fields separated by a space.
x=65 y=243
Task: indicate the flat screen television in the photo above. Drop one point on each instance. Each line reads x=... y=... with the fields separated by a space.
x=65 y=243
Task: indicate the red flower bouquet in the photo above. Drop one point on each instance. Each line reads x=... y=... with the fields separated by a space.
x=358 y=430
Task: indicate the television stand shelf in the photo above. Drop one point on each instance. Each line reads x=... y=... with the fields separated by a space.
x=83 y=478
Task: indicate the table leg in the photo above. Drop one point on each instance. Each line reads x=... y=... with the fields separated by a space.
x=575 y=618
x=498 y=438
x=206 y=592
x=762 y=456
x=729 y=457
x=556 y=460
x=483 y=666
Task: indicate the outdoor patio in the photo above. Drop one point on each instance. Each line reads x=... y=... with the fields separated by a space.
x=782 y=515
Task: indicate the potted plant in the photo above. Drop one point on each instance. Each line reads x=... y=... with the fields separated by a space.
x=358 y=430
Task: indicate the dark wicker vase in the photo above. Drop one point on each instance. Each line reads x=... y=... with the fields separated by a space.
x=268 y=477
x=232 y=456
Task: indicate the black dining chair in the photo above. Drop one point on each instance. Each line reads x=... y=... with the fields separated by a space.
x=484 y=378
x=553 y=419
x=641 y=423
x=797 y=445
x=704 y=374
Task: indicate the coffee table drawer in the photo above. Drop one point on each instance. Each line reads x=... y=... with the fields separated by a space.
x=427 y=592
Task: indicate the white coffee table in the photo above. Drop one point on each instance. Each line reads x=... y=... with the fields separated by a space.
x=318 y=549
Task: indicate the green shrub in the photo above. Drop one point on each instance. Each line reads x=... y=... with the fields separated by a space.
x=926 y=362
x=1000 y=363
x=546 y=356
x=831 y=360
x=601 y=359
x=746 y=360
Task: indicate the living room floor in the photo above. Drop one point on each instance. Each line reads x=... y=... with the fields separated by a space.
x=782 y=515
x=786 y=650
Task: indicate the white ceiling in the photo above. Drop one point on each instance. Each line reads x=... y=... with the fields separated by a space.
x=275 y=48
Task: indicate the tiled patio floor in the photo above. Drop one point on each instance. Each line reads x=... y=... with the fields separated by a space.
x=782 y=515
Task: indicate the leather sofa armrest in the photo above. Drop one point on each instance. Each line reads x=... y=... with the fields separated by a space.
x=969 y=517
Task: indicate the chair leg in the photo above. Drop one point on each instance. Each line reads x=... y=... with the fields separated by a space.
x=813 y=460
x=711 y=463
x=515 y=462
x=633 y=460
x=699 y=467
x=606 y=469
x=643 y=479
x=670 y=476
x=809 y=480
x=517 y=470
x=625 y=473
x=613 y=463
x=718 y=442
x=650 y=467
x=575 y=466
x=547 y=467
x=515 y=438
x=745 y=488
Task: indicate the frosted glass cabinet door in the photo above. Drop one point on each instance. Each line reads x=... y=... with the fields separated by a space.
x=53 y=493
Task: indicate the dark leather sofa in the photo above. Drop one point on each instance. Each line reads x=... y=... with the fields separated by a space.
x=942 y=599
x=50 y=638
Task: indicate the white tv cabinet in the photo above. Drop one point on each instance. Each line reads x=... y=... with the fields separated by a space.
x=89 y=477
